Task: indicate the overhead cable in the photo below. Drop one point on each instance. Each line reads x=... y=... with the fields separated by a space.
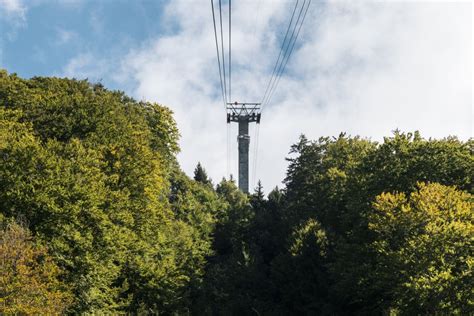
x=217 y=50
x=222 y=50
x=288 y=56
x=230 y=50
x=279 y=55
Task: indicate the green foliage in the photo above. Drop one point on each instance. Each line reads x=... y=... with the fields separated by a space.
x=361 y=227
x=228 y=266
x=200 y=175
x=318 y=248
x=319 y=179
x=90 y=170
x=424 y=249
x=29 y=281
x=257 y=199
x=335 y=182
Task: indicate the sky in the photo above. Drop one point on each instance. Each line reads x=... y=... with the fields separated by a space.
x=362 y=67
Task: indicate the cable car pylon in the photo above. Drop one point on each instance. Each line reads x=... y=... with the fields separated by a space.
x=243 y=114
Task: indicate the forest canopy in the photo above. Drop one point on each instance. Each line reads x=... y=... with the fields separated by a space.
x=97 y=217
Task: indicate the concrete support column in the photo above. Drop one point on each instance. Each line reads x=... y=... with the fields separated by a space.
x=244 y=141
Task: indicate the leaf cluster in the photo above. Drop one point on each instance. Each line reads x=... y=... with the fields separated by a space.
x=94 y=174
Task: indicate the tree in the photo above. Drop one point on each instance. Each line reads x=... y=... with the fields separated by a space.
x=360 y=228
x=300 y=272
x=228 y=266
x=396 y=165
x=334 y=181
x=424 y=249
x=257 y=198
x=200 y=174
x=29 y=279
x=91 y=171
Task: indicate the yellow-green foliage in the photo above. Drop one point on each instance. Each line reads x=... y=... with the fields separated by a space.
x=309 y=235
x=29 y=282
x=94 y=174
x=427 y=241
x=90 y=170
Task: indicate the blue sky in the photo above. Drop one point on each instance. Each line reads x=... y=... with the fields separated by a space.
x=54 y=32
x=361 y=67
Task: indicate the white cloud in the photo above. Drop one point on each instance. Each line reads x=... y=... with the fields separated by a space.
x=64 y=36
x=13 y=8
x=86 y=65
x=14 y=13
x=362 y=67
x=96 y=20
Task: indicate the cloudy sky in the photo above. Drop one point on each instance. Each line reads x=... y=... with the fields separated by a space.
x=361 y=67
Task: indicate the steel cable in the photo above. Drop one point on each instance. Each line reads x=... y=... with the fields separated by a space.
x=222 y=50
x=230 y=50
x=217 y=49
x=279 y=55
x=288 y=57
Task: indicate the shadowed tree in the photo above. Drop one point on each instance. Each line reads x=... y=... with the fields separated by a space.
x=200 y=174
x=258 y=197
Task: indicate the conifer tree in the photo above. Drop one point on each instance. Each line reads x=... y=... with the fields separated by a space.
x=200 y=174
x=259 y=191
x=257 y=198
